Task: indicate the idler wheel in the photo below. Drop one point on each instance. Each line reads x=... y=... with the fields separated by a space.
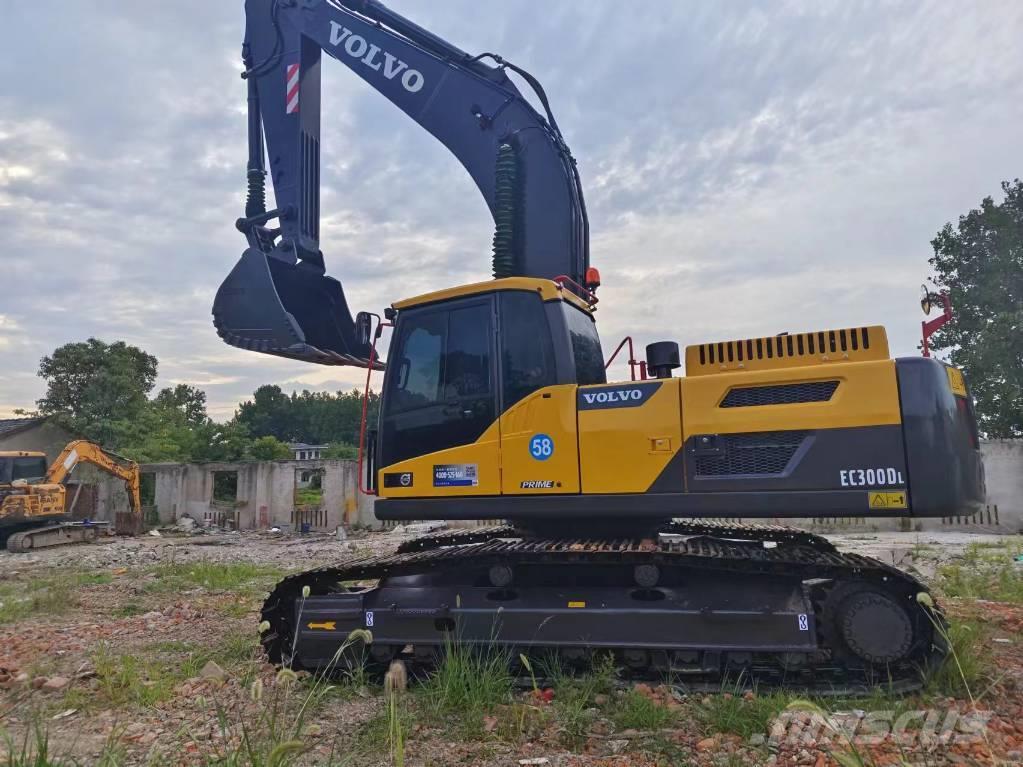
x=875 y=628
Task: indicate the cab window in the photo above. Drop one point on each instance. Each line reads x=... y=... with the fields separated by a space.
x=527 y=349
x=586 y=351
x=26 y=467
x=439 y=391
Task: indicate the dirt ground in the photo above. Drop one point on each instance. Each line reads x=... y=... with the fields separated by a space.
x=143 y=651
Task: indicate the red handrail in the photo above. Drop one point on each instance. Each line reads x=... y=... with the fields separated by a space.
x=632 y=360
x=366 y=489
x=583 y=292
x=929 y=327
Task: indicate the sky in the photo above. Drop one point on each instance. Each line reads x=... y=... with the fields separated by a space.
x=748 y=168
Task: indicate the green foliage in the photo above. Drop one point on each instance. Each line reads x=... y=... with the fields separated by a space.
x=97 y=389
x=312 y=417
x=986 y=573
x=213 y=576
x=980 y=263
x=636 y=711
x=52 y=594
x=730 y=712
x=190 y=401
x=269 y=448
x=469 y=682
x=341 y=451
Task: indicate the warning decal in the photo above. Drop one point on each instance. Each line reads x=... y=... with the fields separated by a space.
x=887 y=500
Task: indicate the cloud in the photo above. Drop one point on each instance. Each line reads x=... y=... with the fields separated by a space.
x=748 y=169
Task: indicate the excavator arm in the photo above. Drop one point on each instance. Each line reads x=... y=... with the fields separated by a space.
x=83 y=451
x=278 y=299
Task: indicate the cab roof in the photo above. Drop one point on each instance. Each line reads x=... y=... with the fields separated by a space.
x=547 y=289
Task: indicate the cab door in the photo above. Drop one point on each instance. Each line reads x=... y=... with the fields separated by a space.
x=440 y=393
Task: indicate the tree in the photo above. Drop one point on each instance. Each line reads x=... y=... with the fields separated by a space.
x=97 y=389
x=268 y=413
x=980 y=263
x=341 y=450
x=312 y=417
x=190 y=401
x=269 y=449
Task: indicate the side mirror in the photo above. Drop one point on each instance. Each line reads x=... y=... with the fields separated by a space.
x=363 y=328
x=925 y=299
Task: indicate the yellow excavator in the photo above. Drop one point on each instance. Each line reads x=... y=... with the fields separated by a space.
x=496 y=405
x=34 y=507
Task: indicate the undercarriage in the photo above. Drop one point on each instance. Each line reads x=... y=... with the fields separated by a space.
x=697 y=603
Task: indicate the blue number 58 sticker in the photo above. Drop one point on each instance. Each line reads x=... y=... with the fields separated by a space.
x=541 y=447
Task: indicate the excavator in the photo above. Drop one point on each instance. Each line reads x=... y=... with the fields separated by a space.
x=635 y=517
x=34 y=505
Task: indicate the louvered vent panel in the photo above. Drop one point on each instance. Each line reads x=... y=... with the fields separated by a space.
x=758 y=454
x=854 y=344
x=781 y=394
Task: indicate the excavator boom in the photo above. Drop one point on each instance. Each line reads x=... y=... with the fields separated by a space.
x=278 y=298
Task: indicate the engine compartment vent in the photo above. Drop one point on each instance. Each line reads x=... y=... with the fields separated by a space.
x=780 y=394
x=788 y=351
x=757 y=454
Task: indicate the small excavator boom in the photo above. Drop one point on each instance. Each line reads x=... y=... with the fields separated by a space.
x=278 y=299
x=83 y=451
x=29 y=508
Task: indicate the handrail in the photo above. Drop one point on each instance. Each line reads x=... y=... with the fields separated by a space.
x=633 y=363
x=365 y=489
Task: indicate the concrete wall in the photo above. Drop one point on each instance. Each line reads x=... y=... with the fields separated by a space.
x=1003 y=469
x=265 y=495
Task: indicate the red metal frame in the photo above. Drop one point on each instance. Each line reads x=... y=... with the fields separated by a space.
x=930 y=327
x=365 y=488
x=633 y=362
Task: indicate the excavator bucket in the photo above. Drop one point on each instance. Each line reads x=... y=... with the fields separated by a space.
x=290 y=310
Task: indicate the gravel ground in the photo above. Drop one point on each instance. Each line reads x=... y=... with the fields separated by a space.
x=113 y=659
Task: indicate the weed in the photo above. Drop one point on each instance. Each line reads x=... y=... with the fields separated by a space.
x=53 y=594
x=34 y=749
x=273 y=737
x=128 y=610
x=127 y=679
x=575 y=696
x=968 y=667
x=636 y=711
x=213 y=576
x=732 y=712
x=469 y=682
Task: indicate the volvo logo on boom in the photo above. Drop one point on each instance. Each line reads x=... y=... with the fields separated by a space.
x=621 y=395
x=370 y=55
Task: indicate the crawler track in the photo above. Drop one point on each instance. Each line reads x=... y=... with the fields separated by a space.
x=865 y=623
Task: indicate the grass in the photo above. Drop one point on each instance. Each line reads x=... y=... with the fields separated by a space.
x=309 y=496
x=575 y=696
x=730 y=712
x=53 y=594
x=33 y=750
x=243 y=577
x=969 y=666
x=998 y=581
x=275 y=735
x=469 y=683
x=636 y=711
x=148 y=675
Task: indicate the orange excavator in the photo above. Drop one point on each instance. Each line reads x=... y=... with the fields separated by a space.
x=34 y=508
